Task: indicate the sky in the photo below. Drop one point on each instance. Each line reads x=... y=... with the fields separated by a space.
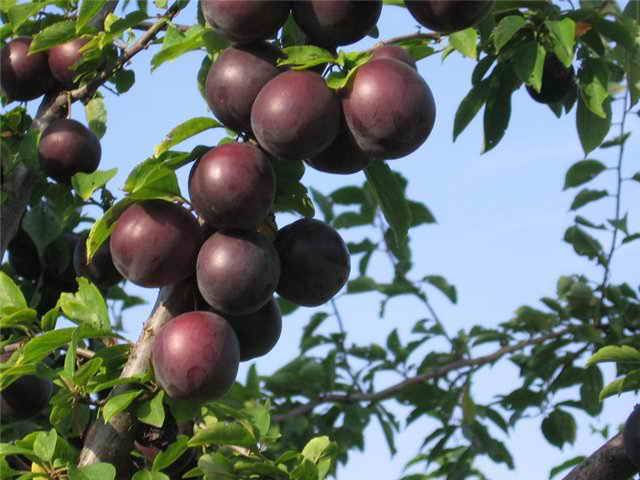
x=501 y=218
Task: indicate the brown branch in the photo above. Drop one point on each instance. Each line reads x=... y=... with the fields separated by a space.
x=438 y=372
x=609 y=462
x=111 y=442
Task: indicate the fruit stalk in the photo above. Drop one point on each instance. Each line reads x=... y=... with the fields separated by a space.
x=606 y=463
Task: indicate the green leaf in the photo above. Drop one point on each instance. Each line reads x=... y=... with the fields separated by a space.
x=23 y=316
x=101 y=230
x=529 y=63
x=391 y=197
x=184 y=131
x=592 y=129
x=53 y=35
x=123 y=80
x=465 y=42
x=86 y=183
x=445 y=287
x=559 y=427
x=19 y=14
x=583 y=172
x=172 y=453
x=420 y=214
x=565 y=466
x=86 y=306
x=563 y=35
x=151 y=411
x=153 y=179
x=88 y=10
x=301 y=57
x=223 y=433
x=614 y=353
x=10 y=294
x=96 y=113
x=590 y=390
x=583 y=243
x=39 y=347
x=193 y=39
x=469 y=107
x=586 y=196
x=43 y=225
x=506 y=29
x=147 y=475
x=119 y=403
x=350 y=195
x=44 y=445
x=97 y=471
x=617 y=141
x=316 y=448
x=497 y=113
x=594 y=82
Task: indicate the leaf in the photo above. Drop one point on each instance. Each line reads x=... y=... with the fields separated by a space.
x=420 y=214
x=86 y=183
x=559 y=427
x=193 y=39
x=153 y=179
x=123 y=80
x=147 y=475
x=614 y=353
x=583 y=243
x=617 y=141
x=43 y=225
x=10 y=294
x=86 y=306
x=53 y=35
x=301 y=57
x=445 y=287
x=590 y=390
x=563 y=34
x=151 y=411
x=316 y=448
x=506 y=29
x=88 y=10
x=582 y=172
x=586 y=196
x=391 y=198
x=184 y=131
x=469 y=107
x=96 y=113
x=39 y=347
x=529 y=63
x=223 y=433
x=19 y=14
x=497 y=113
x=592 y=129
x=465 y=42
x=101 y=230
x=97 y=471
x=565 y=466
x=119 y=403
x=170 y=454
x=44 y=445
x=594 y=82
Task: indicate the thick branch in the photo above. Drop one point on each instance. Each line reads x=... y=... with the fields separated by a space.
x=609 y=462
x=112 y=441
x=439 y=372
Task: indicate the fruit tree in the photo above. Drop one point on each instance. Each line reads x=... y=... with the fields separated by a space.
x=236 y=240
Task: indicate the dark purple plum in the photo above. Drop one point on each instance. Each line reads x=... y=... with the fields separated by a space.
x=236 y=78
x=258 y=332
x=25 y=397
x=389 y=109
x=237 y=272
x=195 y=356
x=314 y=260
x=68 y=147
x=233 y=186
x=155 y=243
x=394 y=52
x=63 y=57
x=295 y=115
x=557 y=81
x=330 y=23
x=100 y=270
x=449 y=16
x=245 y=21
x=343 y=156
x=24 y=76
x=631 y=436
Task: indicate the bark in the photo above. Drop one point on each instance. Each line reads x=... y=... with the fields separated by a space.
x=609 y=462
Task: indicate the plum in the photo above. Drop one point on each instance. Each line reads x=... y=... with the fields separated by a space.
x=449 y=16
x=557 y=81
x=394 y=52
x=100 y=270
x=25 y=397
x=63 y=57
x=24 y=76
x=258 y=332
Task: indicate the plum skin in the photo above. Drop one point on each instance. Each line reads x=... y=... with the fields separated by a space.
x=237 y=272
x=557 y=81
x=155 y=243
x=68 y=147
x=233 y=186
x=295 y=116
x=24 y=76
x=101 y=269
x=63 y=57
x=448 y=16
x=331 y=23
x=195 y=356
x=25 y=397
x=258 y=332
x=311 y=279
x=389 y=109
x=245 y=21
x=236 y=78
x=394 y=52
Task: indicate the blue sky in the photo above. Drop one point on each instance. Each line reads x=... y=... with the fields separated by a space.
x=501 y=217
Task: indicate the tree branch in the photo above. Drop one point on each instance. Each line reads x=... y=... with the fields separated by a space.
x=438 y=372
x=609 y=462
